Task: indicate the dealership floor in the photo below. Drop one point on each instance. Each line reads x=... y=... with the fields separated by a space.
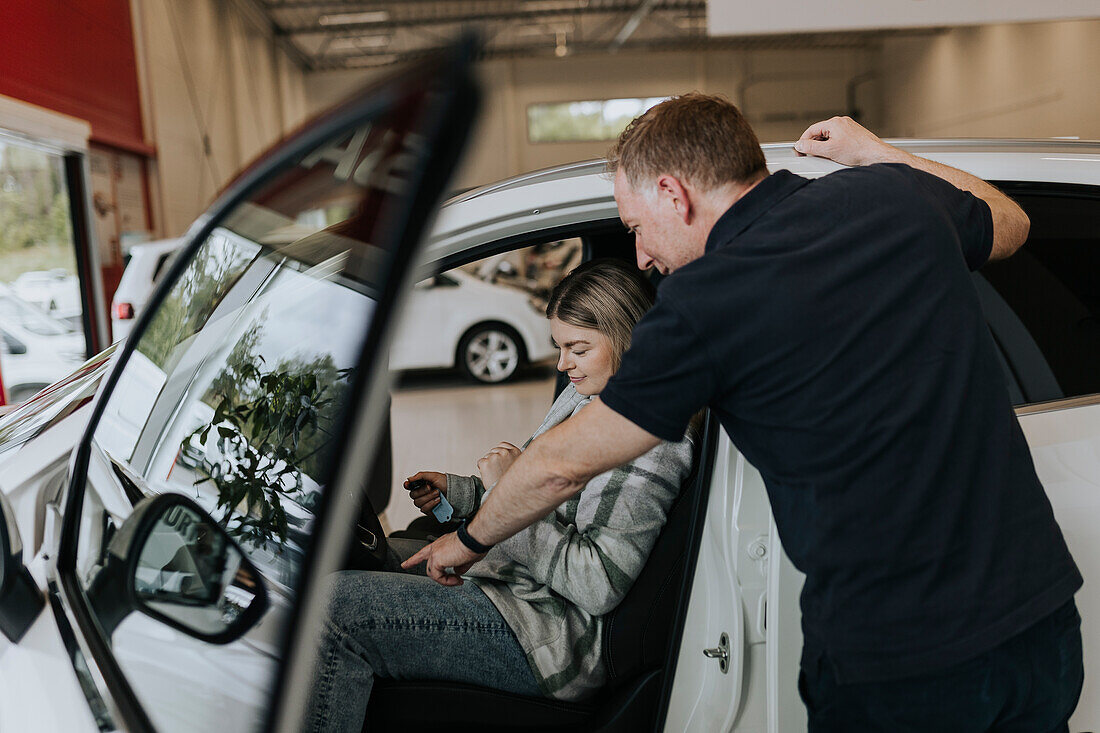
x=443 y=422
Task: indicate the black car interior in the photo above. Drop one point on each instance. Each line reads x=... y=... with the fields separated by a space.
x=642 y=633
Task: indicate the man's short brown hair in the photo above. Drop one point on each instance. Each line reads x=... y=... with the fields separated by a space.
x=701 y=139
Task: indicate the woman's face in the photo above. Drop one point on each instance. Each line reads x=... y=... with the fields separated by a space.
x=585 y=356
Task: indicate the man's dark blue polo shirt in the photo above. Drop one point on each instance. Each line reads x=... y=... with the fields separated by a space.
x=833 y=328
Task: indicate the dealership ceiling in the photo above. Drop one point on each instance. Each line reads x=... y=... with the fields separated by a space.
x=351 y=35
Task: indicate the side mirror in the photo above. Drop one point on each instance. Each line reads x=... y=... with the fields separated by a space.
x=171 y=561
x=20 y=598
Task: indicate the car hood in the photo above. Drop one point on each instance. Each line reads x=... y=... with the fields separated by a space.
x=53 y=404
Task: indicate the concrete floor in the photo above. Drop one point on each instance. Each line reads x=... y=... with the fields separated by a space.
x=443 y=422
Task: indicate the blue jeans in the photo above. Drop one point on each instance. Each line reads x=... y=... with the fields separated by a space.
x=1028 y=684
x=402 y=625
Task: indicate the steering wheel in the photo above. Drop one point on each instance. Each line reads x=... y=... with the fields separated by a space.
x=368 y=549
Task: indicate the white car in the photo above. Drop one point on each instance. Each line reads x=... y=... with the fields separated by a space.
x=56 y=291
x=125 y=603
x=36 y=349
x=452 y=320
x=457 y=320
x=146 y=263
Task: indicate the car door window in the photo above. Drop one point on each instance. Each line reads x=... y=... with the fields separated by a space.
x=459 y=333
x=233 y=394
x=1043 y=303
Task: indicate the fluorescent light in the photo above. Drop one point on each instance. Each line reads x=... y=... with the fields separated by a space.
x=372 y=16
x=359 y=42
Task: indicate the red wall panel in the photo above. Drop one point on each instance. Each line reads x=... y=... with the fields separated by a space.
x=75 y=57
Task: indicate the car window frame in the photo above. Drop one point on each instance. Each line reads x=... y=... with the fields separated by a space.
x=1053 y=189
x=92 y=655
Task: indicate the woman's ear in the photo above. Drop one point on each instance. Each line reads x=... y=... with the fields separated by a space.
x=672 y=192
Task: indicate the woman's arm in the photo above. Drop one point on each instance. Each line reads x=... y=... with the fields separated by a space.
x=622 y=512
x=464 y=493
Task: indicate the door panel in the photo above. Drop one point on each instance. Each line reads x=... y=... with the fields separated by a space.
x=1065 y=445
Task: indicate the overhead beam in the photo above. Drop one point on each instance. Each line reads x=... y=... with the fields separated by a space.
x=467 y=18
x=631 y=24
x=859 y=39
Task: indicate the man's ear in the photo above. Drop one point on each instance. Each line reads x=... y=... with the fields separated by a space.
x=671 y=191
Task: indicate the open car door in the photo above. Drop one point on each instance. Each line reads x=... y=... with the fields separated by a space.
x=231 y=439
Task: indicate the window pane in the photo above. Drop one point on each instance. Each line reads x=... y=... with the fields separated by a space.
x=584 y=121
x=1043 y=303
x=40 y=307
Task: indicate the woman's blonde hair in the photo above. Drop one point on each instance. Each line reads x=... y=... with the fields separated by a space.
x=607 y=295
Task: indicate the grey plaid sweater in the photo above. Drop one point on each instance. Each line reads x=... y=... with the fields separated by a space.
x=554 y=581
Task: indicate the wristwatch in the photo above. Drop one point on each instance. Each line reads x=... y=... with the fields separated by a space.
x=471 y=544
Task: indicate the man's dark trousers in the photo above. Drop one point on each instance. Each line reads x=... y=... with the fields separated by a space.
x=1028 y=684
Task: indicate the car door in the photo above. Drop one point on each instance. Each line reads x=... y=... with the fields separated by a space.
x=254 y=385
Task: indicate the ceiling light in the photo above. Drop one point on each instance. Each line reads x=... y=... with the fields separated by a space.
x=356 y=43
x=373 y=16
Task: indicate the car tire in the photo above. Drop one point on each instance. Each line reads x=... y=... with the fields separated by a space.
x=490 y=353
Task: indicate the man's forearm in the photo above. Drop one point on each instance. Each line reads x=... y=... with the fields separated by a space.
x=527 y=492
x=1010 y=223
x=557 y=465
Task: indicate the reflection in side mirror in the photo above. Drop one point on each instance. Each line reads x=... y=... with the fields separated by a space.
x=191 y=575
x=20 y=598
x=170 y=560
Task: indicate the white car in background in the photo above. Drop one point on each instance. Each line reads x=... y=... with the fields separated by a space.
x=125 y=605
x=36 y=349
x=145 y=264
x=458 y=320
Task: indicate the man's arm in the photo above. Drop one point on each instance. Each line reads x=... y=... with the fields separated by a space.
x=554 y=467
x=845 y=141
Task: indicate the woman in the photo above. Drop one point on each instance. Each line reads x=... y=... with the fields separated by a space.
x=530 y=620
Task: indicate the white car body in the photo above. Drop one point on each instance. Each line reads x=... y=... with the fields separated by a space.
x=49 y=348
x=743 y=585
x=55 y=291
x=437 y=316
x=146 y=264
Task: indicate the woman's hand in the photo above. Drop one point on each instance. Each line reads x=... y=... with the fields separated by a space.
x=494 y=463
x=425 y=494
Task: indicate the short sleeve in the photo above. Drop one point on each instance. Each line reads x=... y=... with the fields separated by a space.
x=970 y=216
x=666 y=375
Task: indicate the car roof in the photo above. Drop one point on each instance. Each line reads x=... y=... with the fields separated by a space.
x=581 y=192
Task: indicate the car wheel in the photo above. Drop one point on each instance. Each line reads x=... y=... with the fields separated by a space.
x=490 y=353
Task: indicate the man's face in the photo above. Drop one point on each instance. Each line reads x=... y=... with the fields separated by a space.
x=662 y=239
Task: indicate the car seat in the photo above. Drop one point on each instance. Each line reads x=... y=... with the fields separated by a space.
x=638 y=647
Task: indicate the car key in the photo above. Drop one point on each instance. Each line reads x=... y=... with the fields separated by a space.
x=443 y=511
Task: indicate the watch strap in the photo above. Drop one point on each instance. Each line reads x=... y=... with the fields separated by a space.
x=471 y=544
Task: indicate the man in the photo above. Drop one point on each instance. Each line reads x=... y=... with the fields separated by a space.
x=832 y=327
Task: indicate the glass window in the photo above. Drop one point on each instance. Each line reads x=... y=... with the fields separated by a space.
x=233 y=396
x=40 y=303
x=595 y=120
x=1043 y=303
x=481 y=330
